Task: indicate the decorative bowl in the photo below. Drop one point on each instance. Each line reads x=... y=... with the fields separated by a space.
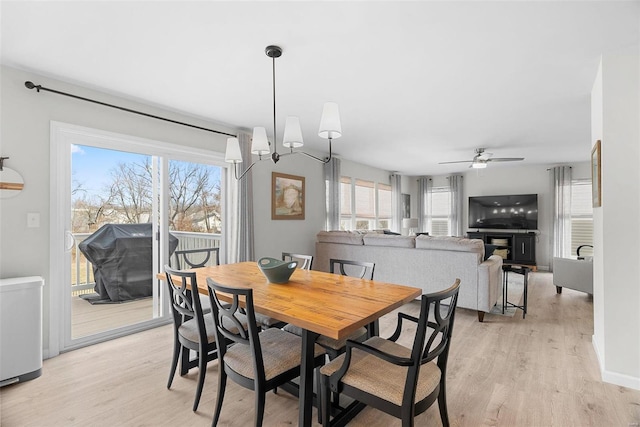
x=275 y=270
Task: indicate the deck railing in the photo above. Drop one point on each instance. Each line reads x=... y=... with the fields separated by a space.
x=82 y=280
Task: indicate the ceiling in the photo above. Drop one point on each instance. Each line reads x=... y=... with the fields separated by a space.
x=417 y=82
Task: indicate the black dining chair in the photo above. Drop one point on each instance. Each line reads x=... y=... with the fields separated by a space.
x=360 y=269
x=401 y=381
x=192 y=330
x=194 y=258
x=304 y=261
x=259 y=361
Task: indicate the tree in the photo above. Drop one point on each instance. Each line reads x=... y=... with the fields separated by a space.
x=194 y=191
x=195 y=196
x=131 y=191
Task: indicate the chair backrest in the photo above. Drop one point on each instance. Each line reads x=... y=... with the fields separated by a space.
x=304 y=261
x=433 y=334
x=360 y=269
x=186 y=258
x=229 y=325
x=183 y=286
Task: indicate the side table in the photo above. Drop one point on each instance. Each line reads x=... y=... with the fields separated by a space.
x=518 y=269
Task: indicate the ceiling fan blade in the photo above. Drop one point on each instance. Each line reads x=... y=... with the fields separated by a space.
x=506 y=159
x=457 y=161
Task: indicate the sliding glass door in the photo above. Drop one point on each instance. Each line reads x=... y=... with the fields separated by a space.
x=118 y=198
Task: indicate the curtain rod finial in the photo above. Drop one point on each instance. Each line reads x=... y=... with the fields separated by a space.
x=30 y=85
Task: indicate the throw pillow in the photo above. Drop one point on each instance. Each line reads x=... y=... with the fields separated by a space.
x=488 y=251
x=390 y=232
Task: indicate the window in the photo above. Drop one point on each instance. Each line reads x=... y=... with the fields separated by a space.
x=581 y=216
x=364 y=205
x=384 y=206
x=439 y=215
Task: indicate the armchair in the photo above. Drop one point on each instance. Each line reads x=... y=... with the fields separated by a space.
x=574 y=274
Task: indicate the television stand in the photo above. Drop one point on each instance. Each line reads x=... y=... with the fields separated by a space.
x=520 y=246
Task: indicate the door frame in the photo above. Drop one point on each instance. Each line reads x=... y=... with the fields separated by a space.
x=62 y=136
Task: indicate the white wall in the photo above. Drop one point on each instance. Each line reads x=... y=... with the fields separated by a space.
x=616 y=267
x=272 y=237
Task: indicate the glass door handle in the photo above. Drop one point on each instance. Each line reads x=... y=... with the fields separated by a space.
x=69 y=241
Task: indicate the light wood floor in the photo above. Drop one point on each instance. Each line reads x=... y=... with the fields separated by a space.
x=540 y=371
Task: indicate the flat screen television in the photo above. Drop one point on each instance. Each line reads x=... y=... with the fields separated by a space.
x=513 y=212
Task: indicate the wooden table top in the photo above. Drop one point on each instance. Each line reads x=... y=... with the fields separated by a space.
x=328 y=304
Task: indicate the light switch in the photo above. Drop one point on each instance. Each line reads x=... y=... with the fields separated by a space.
x=33 y=220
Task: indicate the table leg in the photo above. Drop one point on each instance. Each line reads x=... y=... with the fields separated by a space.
x=526 y=291
x=306 y=378
x=504 y=289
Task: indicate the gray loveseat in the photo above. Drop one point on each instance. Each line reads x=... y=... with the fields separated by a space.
x=430 y=263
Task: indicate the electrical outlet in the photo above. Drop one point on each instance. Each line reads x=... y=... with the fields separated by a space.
x=33 y=220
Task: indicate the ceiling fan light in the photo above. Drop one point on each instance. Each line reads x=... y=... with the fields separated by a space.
x=330 y=127
x=292 y=133
x=233 y=154
x=260 y=143
x=479 y=165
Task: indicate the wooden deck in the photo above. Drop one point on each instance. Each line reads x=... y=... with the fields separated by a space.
x=88 y=319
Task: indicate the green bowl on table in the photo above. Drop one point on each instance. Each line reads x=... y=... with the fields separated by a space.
x=275 y=270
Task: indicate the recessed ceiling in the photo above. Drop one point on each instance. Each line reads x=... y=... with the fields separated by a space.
x=418 y=83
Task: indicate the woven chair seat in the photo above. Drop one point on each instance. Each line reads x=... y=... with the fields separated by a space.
x=281 y=351
x=189 y=329
x=327 y=342
x=389 y=379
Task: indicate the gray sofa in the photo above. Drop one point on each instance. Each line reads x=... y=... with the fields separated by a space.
x=430 y=263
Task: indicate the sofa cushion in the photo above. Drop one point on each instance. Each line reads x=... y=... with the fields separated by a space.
x=346 y=237
x=390 y=240
x=460 y=244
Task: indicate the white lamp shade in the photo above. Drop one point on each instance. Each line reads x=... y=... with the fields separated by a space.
x=409 y=222
x=233 y=154
x=330 y=122
x=292 y=133
x=260 y=143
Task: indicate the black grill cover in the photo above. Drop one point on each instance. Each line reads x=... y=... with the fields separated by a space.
x=122 y=260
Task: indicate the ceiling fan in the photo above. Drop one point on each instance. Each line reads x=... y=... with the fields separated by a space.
x=481 y=159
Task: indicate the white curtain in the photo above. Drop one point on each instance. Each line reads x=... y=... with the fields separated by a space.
x=396 y=203
x=240 y=220
x=561 y=243
x=425 y=187
x=455 y=188
x=332 y=188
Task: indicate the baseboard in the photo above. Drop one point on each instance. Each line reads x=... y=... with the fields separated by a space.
x=621 y=380
x=614 y=377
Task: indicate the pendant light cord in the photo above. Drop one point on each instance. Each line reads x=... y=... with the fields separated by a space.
x=275 y=140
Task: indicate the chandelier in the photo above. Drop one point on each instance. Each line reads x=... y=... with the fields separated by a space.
x=330 y=128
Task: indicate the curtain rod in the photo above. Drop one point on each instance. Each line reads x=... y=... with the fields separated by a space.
x=30 y=85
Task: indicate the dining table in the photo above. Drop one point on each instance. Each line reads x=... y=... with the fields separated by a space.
x=318 y=302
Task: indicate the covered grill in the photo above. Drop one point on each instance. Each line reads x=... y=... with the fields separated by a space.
x=122 y=259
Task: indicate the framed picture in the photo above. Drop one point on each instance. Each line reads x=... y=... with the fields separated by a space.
x=596 y=175
x=287 y=196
